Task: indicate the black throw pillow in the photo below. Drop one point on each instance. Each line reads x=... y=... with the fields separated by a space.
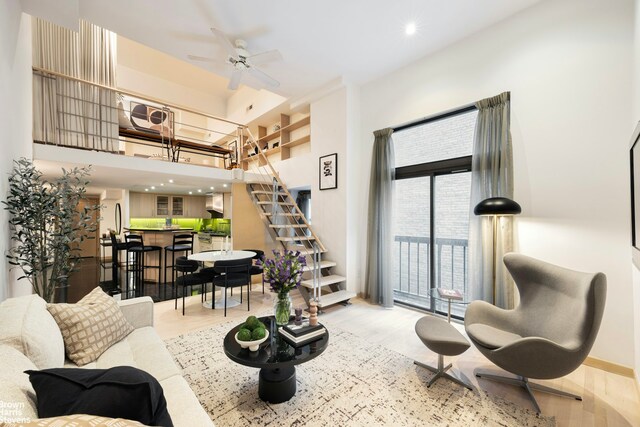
x=119 y=392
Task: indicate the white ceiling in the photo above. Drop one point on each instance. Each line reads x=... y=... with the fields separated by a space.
x=359 y=40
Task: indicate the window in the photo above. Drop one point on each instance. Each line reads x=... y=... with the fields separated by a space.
x=431 y=210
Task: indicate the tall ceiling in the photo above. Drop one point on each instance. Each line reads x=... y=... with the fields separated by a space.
x=358 y=40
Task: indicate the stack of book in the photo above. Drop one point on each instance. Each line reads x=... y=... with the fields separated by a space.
x=449 y=294
x=301 y=335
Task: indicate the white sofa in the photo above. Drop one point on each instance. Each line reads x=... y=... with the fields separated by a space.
x=30 y=339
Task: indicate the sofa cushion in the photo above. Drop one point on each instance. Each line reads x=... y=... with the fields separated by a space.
x=120 y=392
x=15 y=388
x=142 y=349
x=91 y=326
x=182 y=403
x=26 y=325
x=79 y=420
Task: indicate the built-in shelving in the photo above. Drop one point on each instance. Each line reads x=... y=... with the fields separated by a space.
x=282 y=135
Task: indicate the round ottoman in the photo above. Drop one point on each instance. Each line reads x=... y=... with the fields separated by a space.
x=441 y=337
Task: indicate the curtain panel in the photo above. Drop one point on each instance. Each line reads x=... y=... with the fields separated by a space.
x=379 y=280
x=491 y=176
x=67 y=112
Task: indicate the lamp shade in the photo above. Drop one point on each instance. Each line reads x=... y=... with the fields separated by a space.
x=497 y=206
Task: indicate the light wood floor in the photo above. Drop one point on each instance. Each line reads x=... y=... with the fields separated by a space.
x=608 y=399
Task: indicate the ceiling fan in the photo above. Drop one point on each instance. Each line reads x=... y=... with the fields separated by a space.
x=242 y=61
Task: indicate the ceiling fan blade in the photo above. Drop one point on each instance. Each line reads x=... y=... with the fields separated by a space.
x=235 y=79
x=270 y=81
x=201 y=58
x=263 y=57
x=224 y=41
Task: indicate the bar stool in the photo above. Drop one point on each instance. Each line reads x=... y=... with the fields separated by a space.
x=137 y=248
x=116 y=248
x=181 y=243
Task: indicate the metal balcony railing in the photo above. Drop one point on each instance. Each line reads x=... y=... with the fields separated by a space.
x=77 y=113
x=412 y=265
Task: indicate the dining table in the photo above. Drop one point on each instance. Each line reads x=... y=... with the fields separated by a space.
x=213 y=256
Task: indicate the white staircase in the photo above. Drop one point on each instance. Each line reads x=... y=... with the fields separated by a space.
x=288 y=226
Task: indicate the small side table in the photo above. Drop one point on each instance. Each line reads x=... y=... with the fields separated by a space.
x=436 y=295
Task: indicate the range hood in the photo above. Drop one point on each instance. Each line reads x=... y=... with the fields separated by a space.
x=215 y=205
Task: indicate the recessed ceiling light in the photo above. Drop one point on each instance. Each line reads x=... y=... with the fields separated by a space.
x=199 y=190
x=410 y=29
x=153 y=187
x=211 y=188
x=190 y=192
x=162 y=184
x=224 y=185
x=146 y=189
x=171 y=181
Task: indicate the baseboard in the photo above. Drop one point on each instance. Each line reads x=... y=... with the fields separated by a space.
x=614 y=368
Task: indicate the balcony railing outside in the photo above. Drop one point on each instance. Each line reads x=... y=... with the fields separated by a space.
x=412 y=259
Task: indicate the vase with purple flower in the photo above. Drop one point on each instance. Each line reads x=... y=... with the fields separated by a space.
x=283 y=272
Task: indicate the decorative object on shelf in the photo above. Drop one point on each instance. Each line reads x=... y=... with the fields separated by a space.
x=276 y=127
x=496 y=207
x=329 y=172
x=276 y=144
x=46 y=228
x=283 y=272
x=313 y=313
x=298 y=320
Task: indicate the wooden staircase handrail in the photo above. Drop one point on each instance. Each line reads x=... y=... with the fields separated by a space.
x=284 y=187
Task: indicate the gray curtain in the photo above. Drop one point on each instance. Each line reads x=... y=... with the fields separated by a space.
x=379 y=281
x=491 y=176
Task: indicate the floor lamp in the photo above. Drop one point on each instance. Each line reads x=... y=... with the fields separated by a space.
x=495 y=207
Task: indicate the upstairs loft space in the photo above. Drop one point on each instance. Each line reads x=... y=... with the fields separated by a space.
x=75 y=113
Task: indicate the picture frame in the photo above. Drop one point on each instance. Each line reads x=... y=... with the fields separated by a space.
x=328 y=172
x=233 y=146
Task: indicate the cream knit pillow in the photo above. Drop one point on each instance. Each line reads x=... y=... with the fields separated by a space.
x=78 y=420
x=91 y=326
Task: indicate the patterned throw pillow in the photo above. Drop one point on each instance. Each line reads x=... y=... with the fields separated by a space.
x=91 y=326
x=79 y=420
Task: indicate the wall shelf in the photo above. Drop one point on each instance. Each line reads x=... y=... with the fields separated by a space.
x=283 y=135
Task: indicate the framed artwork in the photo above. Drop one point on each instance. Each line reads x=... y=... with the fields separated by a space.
x=634 y=157
x=233 y=146
x=329 y=171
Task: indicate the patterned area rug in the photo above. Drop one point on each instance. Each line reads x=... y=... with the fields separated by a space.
x=353 y=383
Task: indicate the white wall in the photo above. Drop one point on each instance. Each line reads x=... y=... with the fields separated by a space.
x=568 y=66
x=15 y=119
x=634 y=120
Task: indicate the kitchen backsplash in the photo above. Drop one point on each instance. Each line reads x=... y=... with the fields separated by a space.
x=219 y=225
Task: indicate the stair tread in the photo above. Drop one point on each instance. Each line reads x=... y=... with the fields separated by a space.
x=324 y=281
x=267 y=192
x=287 y=225
x=270 y=202
x=282 y=214
x=335 y=297
x=294 y=239
x=323 y=264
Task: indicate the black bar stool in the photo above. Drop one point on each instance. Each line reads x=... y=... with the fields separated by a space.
x=137 y=248
x=116 y=248
x=181 y=243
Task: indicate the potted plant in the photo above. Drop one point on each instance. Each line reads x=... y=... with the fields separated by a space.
x=46 y=228
x=283 y=272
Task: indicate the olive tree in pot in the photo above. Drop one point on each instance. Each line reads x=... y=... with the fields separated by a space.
x=46 y=228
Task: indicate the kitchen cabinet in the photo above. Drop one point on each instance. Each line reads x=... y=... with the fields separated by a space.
x=142 y=205
x=145 y=205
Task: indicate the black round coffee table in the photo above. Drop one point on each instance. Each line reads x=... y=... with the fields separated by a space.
x=276 y=359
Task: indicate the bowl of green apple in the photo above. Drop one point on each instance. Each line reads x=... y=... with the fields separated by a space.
x=252 y=333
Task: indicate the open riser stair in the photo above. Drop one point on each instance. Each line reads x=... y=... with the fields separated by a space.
x=288 y=226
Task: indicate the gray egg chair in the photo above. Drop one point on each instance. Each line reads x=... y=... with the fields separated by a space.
x=551 y=331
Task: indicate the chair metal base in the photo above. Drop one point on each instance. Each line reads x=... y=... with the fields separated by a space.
x=441 y=371
x=524 y=383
